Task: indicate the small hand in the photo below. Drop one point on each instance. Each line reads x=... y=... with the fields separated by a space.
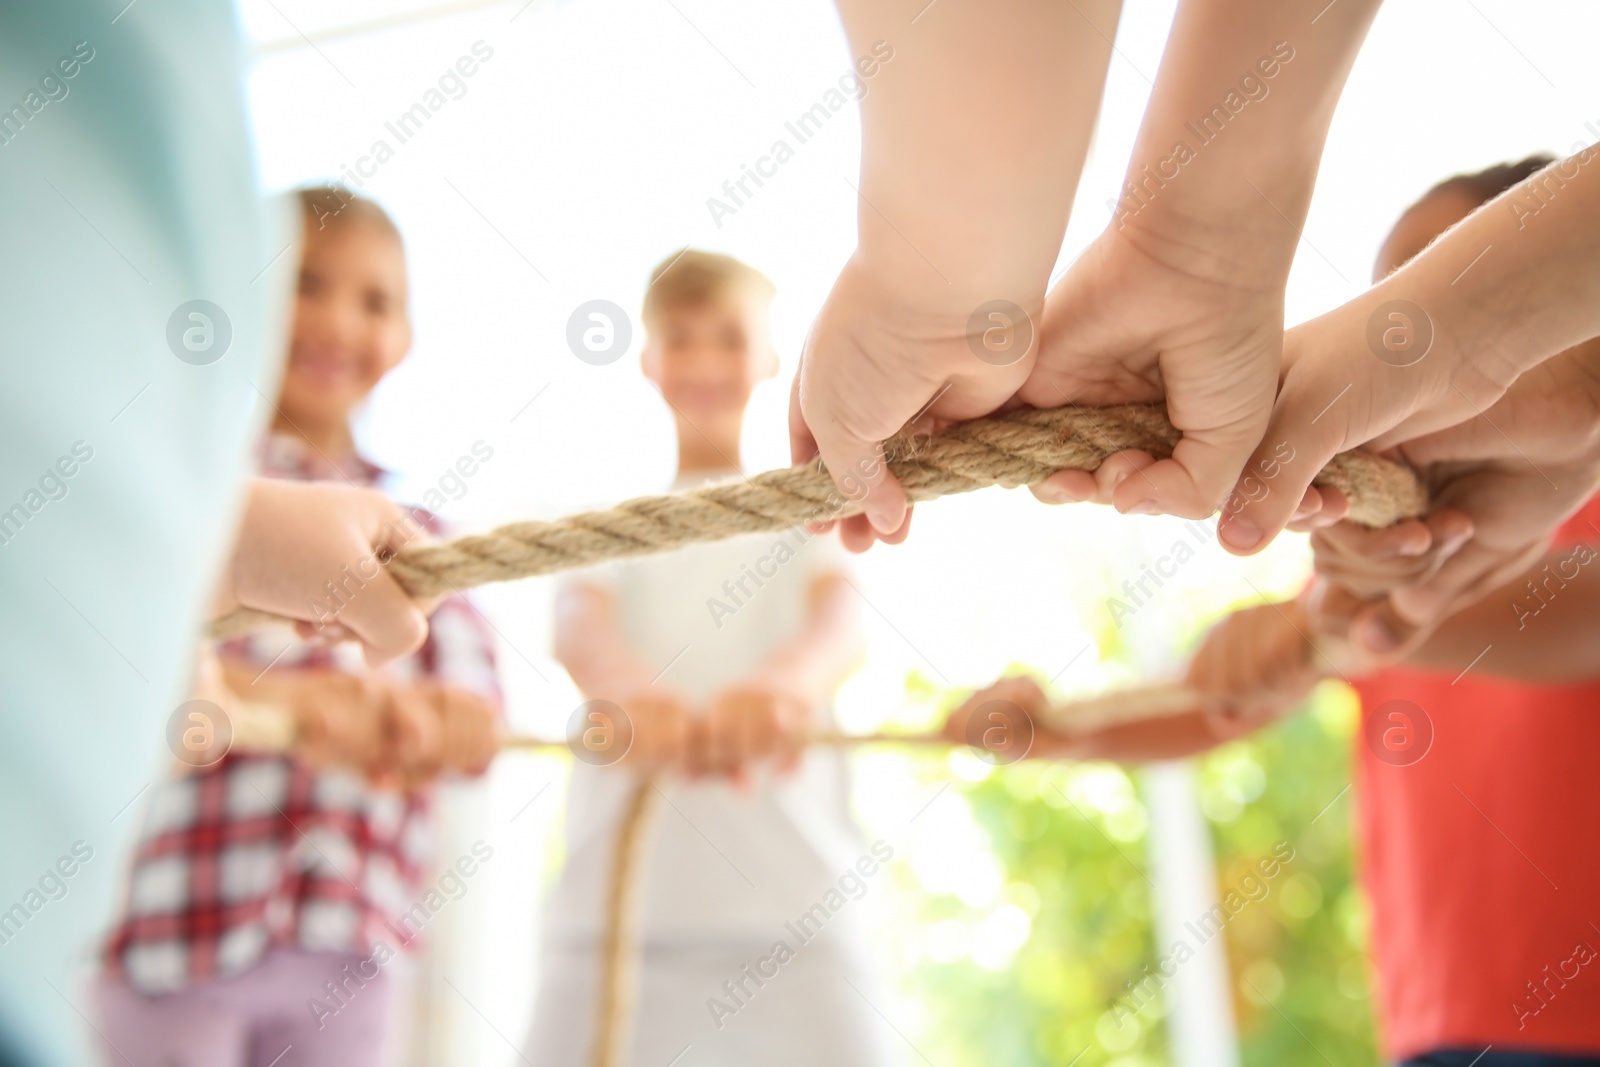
x=751 y=722
x=1257 y=664
x=1338 y=394
x=1372 y=563
x=1013 y=710
x=1500 y=483
x=661 y=722
x=469 y=729
x=1136 y=320
x=413 y=734
x=295 y=538
x=878 y=358
x=363 y=722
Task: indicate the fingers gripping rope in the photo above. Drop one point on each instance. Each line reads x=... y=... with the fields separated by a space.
x=1019 y=448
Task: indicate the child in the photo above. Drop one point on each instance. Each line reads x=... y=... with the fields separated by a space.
x=1474 y=789
x=268 y=894
x=719 y=655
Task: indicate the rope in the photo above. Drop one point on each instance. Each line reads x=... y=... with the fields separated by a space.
x=622 y=949
x=265 y=728
x=268 y=729
x=1022 y=447
x=619 y=964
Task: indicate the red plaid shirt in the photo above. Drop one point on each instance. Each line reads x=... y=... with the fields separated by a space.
x=258 y=851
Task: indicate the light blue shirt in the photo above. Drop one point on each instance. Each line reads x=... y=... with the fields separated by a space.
x=127 y=188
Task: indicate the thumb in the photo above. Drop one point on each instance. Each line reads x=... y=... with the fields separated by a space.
x=386 y=621
x=1203 y=466
x=1308 y=427
x=1221 y=407
x=859 y=472
x=380 y=613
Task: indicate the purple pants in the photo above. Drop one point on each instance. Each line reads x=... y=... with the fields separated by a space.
x=259 y=1018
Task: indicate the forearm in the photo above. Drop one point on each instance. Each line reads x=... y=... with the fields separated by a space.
x=592 y=647
x=1543 y=627
x=973 y=139
x=821 y=656
x=1513 y=284
x=1174 y=737
x=1233 y=135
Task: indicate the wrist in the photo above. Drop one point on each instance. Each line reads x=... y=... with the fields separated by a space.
x=1418 y=322
x=1235 y=129
x=941 y=292
x=1249 y=245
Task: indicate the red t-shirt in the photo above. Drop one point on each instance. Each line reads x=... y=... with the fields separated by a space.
x=1480 y=853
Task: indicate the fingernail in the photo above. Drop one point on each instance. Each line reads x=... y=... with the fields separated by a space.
x=1240 y=533
x=1144 y=507
x=885 y=519
x=1051 y=493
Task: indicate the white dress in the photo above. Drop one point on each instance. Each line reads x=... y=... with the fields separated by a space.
x=728 y=873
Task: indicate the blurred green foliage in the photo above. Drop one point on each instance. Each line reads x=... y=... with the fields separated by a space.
x=1071 y=840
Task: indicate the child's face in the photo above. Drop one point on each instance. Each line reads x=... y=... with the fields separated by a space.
x=706 y=358
x=351 y=325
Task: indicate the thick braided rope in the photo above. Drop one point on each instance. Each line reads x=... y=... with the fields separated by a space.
x=618 y=991
x=619 y=962
x=1020 y=448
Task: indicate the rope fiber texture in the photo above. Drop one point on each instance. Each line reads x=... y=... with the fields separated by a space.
x=1019 y=448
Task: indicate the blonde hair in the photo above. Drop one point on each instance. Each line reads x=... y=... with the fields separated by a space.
x=695 y=277
x=335 y=205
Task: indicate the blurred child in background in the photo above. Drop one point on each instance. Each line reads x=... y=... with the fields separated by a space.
x=1472 y=769
x=270 y=893
x=720 y=656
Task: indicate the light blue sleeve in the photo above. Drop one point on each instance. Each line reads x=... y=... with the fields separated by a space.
x=127 y=190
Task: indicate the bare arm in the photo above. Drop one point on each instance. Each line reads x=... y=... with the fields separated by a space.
x=1441 y=339
x=1010 y=701
x=1181 y=298
x=974 y=130
x=1176 y=737
x=973 y=138
x=657 y=730
x=813 y=664
x=1500 y=484
x=1248 y=88
x=392 y=733
x=1551 y=638
x=591 y=645
x=1548 y=633
x=767 y=714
